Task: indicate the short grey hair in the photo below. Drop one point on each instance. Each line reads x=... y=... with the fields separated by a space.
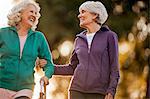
x=14 y=16
x=97 y=8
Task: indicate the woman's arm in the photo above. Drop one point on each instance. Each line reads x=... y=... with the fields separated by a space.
x=67 y=69
x=44 y=53
x=114 y=64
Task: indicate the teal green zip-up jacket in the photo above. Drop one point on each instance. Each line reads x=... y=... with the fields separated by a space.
x=17 y=73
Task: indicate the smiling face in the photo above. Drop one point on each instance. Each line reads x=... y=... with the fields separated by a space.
x=86 y=18
x=29 y=16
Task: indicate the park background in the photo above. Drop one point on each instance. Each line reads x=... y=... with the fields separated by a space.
x=130 y=19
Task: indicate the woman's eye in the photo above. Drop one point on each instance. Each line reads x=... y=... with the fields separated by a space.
x=31 y=11
x=83 y=11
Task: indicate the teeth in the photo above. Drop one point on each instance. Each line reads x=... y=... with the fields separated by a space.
x=32 y=19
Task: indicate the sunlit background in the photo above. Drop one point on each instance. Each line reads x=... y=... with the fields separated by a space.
x=5 y=6
x=133 y=43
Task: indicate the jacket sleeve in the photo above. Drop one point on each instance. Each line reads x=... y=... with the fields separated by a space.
x=114 y=65
x=1 y=42
x=67 y=69
x=45 y=53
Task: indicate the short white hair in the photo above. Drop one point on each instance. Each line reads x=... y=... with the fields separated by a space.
x=14 y=16
x=97 y=8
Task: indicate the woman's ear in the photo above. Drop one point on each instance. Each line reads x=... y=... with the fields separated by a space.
x=95 y=16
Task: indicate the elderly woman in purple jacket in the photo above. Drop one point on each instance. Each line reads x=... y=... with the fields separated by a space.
x=94 y=61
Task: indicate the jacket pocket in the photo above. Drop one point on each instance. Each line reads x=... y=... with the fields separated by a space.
x=7 y=70
x=79 y=79
x=93 y=79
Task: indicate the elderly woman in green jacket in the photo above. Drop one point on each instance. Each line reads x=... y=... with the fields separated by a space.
x=20 y=45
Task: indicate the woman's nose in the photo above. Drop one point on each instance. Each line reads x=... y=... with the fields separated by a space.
x=79 y=15
x=34 y=14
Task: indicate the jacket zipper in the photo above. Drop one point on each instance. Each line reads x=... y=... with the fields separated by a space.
x=87 y=65
x=20 y=57
x=89 y=50
x=17 y=83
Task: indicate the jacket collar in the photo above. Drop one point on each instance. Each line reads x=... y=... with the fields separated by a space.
x=104 y=28
x=30 y=31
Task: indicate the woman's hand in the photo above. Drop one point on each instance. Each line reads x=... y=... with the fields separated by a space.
x=45 y=80
x=109 y=96
x=41 y=63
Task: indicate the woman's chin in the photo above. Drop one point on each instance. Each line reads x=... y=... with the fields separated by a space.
x=82 y=26
x=30 y=25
